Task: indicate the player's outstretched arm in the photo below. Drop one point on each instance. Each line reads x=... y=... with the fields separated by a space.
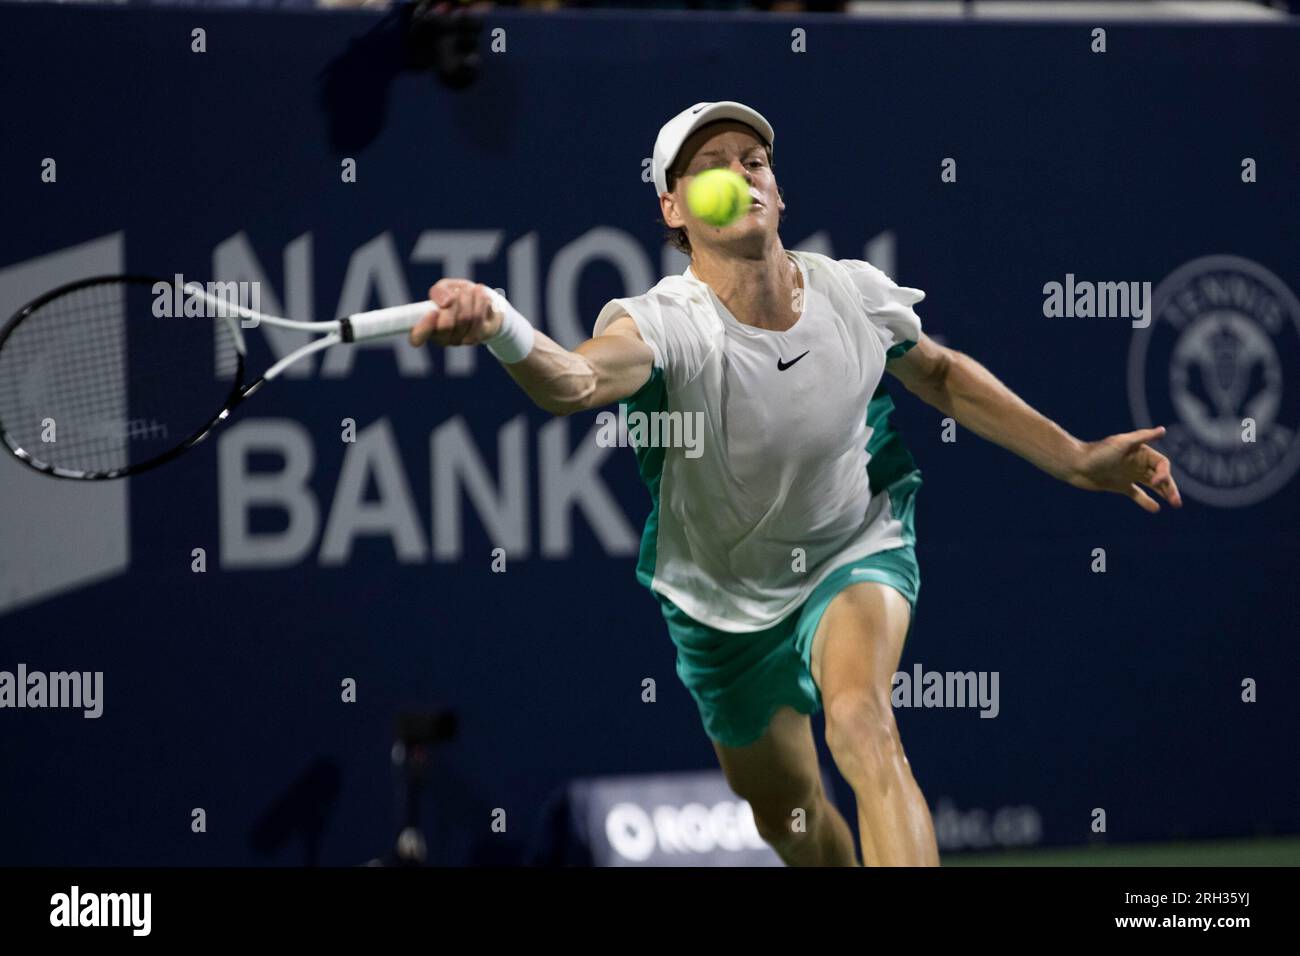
x=601 y=370
x=961 y=387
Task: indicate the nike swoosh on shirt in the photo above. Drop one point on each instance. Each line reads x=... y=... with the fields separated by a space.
x=782 y=366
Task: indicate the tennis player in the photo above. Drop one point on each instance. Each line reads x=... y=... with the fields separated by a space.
x=783 y=555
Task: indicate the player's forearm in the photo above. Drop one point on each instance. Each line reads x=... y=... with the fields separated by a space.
x=558 y=380
x=603 y=369
x=977 y=400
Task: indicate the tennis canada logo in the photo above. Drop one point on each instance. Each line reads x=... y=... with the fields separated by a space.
x=1224 y=334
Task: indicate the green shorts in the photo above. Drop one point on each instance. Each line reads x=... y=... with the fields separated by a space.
x=740 y=680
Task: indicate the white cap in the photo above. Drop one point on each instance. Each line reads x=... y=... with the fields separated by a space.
x=675 y=132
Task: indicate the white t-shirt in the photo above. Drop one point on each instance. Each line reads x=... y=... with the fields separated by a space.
x=782 y=456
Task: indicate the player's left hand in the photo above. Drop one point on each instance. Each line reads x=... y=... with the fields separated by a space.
x=1122 y=463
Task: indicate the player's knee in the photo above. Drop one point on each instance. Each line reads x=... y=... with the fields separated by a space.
x=862 y=736
x=783 y=813
x=782 y=822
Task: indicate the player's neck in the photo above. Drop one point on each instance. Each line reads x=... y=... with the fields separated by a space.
x=758 y=291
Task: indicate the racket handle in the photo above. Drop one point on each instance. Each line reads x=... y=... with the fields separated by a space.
x=378 y=322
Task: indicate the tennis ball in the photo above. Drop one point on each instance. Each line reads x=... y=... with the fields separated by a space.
x=718 y=196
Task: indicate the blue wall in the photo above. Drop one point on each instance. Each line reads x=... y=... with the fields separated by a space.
x=1118 y=690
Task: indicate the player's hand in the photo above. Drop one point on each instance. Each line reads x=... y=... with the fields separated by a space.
x=464 y=315
x=1122 y=463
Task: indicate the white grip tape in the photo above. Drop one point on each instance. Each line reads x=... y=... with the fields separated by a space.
x=390 y=321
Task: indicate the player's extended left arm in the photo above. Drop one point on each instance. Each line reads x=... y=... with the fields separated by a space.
x=962 y=388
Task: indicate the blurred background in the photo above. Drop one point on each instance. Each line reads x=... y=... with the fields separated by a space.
x=304 y=640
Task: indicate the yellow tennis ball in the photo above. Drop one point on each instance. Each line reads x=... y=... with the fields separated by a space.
x=718 y=196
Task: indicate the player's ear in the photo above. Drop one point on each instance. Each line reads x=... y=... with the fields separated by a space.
x=670 y=210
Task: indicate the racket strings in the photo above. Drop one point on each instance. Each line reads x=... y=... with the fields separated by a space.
x=92 y=381
x=52 y=379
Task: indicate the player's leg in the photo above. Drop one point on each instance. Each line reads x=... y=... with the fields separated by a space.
x=753 y=691
x=855 y=653
x=778 y=776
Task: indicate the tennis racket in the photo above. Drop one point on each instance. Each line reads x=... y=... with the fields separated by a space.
x=95 y=385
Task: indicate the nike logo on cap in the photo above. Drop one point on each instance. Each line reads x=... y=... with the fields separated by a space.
x=782 y=366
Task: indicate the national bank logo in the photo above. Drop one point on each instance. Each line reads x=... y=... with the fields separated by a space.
x=1213 y=366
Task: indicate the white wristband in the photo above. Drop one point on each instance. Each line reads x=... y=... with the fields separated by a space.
x=514 y=340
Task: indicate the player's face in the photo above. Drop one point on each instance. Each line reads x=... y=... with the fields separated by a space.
x=734 y=146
